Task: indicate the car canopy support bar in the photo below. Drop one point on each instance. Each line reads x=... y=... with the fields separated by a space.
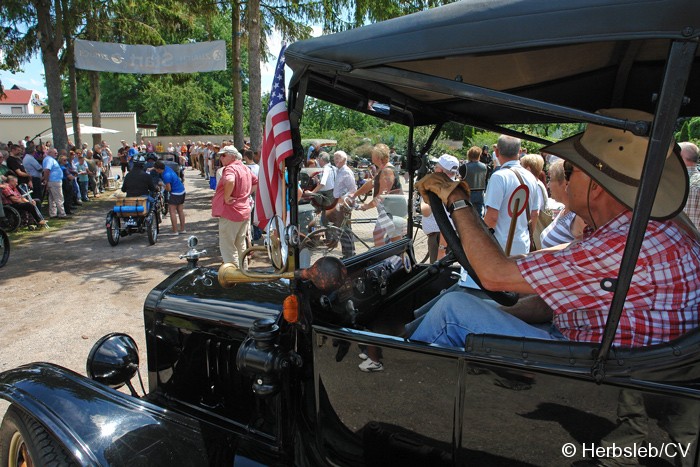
x=416 y=80
x=678 y=67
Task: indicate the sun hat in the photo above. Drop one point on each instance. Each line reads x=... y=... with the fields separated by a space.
x=449 y=163
x=229 y=150
x=614 y=158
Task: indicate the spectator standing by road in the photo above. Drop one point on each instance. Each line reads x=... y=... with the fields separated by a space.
x=384 y=182
x=231 y=204
x=15 y=164
x=52 y=179
x=475 y=176
x=133 y=152
x=689 y=154
x=449 y=165
x=344 y=185
x=534 y=163
x=34 y=169
x=501 y=186
x=566 y=226
x=83 y=177
x=176 y=203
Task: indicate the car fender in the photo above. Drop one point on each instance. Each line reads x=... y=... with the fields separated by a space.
x=99 y=425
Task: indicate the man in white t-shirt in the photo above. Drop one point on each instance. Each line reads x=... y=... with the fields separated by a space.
x=501 y=186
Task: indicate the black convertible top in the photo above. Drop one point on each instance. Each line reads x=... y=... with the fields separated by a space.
x=584 y=54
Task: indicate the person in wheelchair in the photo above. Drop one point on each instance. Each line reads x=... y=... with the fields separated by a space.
x=566 y=299
x=12 y=196
x=139 y=183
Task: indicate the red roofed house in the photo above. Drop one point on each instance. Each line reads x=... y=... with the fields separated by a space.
x=20 y=101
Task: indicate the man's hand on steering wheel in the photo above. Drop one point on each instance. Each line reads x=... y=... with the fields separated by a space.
x=438 y=187
x=440 y=184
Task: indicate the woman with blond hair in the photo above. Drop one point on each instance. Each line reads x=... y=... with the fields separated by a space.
x=566 y=226
x=386 y=182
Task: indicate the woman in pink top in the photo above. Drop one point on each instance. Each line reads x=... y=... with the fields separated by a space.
x=231 y=204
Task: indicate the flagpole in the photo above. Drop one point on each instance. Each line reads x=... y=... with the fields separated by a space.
x=284 y=195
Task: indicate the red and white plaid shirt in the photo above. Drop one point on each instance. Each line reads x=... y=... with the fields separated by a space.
x=663 y=299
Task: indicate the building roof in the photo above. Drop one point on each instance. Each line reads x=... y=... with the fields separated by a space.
x=16 y=96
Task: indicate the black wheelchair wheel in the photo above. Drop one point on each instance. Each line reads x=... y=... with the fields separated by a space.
x=4 y=248
x=152 y=228
x=12 y=219
x=113 y=229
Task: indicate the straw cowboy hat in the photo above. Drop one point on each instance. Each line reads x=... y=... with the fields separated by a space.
x=614 y=158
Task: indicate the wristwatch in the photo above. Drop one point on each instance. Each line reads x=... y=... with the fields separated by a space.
x=457 y=205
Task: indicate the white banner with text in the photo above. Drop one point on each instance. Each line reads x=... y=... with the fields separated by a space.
x=147 y=59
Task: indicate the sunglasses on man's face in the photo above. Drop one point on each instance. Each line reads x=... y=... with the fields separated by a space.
x=568 y=170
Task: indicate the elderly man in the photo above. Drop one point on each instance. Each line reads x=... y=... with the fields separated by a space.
x=501 y=187
x=344 y=185
x=35 y=170
x=52 y=179
x=566 y=299
x=231 y=204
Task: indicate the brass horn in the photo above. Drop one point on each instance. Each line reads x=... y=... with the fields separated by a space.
x=328 y=273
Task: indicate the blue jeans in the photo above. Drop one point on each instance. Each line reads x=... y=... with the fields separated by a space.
x=457 y=314
x=83 y=190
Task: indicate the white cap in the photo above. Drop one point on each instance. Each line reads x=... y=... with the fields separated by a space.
x=449 y=163
x=229 y=150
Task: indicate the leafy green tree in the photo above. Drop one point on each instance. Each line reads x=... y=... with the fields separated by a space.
x=176 y=106
x=37 y=26
x=693 y=129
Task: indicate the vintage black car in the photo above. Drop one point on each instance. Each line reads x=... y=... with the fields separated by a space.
x=261 y=368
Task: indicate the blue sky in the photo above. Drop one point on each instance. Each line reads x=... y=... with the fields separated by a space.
x=32 y=76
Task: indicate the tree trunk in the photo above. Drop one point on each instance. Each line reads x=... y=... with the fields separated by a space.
x=94 y=78
x=237 y=75
x=50 y=41
x=95 y=97
x=254 y=94
x=73 y=82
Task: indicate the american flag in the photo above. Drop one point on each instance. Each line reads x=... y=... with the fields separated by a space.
x=277 y=146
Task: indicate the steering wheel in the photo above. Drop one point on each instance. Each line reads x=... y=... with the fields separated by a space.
x=502 y=298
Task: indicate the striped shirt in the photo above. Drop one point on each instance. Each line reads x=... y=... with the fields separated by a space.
x=559 y=231
x=663 y=299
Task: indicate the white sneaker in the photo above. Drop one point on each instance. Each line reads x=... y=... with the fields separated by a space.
x=370 y=365
x=363 y=356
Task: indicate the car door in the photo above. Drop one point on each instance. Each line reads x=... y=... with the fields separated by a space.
x=502 y=402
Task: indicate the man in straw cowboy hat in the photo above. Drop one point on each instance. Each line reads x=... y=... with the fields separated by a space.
x=566 y=299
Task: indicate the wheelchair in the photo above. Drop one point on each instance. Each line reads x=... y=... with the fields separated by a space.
x=131 y=216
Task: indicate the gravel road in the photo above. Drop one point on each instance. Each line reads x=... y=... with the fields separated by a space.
x=66 y=287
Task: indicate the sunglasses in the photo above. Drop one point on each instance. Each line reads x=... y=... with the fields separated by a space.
x=568 y=170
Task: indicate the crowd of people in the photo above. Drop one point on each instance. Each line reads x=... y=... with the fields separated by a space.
x=561 y=204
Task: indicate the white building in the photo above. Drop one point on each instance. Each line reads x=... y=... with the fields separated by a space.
x=20 y=102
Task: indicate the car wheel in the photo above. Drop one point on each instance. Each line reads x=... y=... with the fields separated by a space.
x=4 y=248
x=420 y=245
x=152 y=228
x=113 y=230
x=25 y=442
